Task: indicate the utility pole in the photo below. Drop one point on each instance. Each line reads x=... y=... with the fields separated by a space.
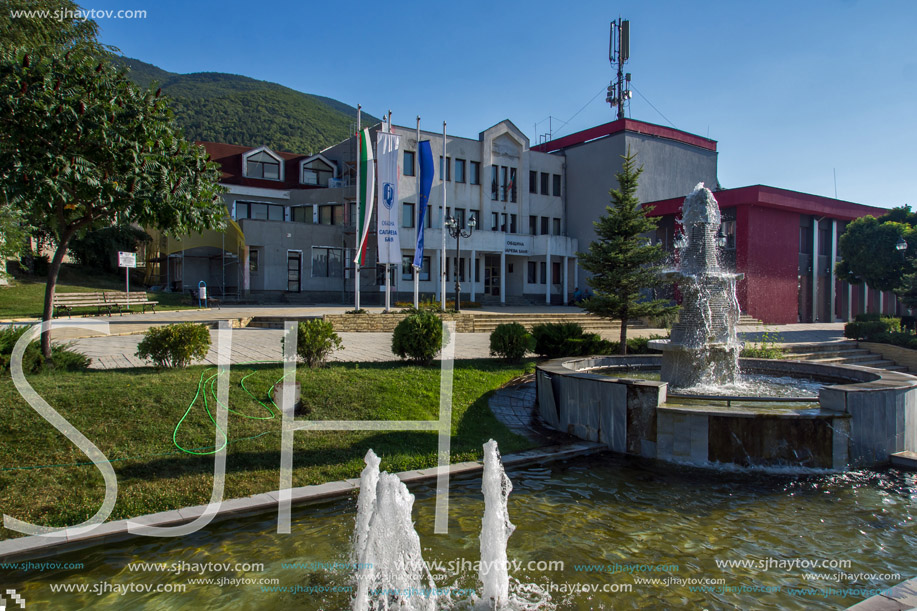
x=618 y=54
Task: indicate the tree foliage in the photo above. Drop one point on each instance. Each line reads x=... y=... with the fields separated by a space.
x=81 y=146
x=623 y=262
x=869 y=253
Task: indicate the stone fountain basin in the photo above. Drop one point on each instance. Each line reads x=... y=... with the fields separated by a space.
x=861 y=418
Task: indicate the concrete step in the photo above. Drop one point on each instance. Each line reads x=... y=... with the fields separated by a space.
x=905 y=460
x=879 y=364
x=825 y=347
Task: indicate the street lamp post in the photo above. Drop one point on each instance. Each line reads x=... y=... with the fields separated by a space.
x=456 y=232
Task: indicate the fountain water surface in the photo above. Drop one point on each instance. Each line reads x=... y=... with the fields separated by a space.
x=703 y=349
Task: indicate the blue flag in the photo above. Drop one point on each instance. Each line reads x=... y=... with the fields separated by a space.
x=426 y=183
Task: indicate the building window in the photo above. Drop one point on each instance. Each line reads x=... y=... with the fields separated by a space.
x=301 y=214
x=327 y=262
x=262 y=165
x=512 y=223
x=503 y=222
x=494 y=186
x=544 y=225
x=544 y=272
x=259 y=211
x=729 y=230
x=503 y=183
x=253 y=259
x=317 y=173
x=555 y=273
x=408 y=167
x=477 y=269
x=533 y=181
x=407 y=215
x=459 y=170
x=475 y=172
x=532 y=275
x=494 y=221
x=805 y=240
x=557 y=185
x=407 y=268
x=474 y=214
x=544 y=183
x=331 y=214
x=533 y=225
x=512 y=185
x=555 y=229
x=447 y=172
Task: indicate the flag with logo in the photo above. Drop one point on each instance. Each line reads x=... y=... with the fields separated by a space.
x=365 y=196
x=387 y=146
x=426 y=183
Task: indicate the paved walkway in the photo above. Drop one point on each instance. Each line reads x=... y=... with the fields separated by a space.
x=248 y=345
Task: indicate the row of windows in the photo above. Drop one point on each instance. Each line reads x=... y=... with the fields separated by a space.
x=321 y=214
x=538 y=272
x=545 y=177
x=499 y=221
x=474 y=168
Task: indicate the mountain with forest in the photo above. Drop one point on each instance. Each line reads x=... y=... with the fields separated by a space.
x=235 y=109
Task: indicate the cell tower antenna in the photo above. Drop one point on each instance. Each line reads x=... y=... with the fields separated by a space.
x=618 y=54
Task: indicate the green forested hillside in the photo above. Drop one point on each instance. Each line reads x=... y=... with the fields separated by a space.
x=240 y=110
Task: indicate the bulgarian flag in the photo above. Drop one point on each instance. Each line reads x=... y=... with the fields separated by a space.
x=365 y=197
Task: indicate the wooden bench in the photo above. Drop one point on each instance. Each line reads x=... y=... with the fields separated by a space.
x=122 y=300
x=68 y=301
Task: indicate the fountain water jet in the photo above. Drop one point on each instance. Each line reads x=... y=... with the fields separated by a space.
x=703 y=348
x=496 y=529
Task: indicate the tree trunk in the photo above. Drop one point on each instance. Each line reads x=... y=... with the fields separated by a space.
x=26 y=259
x=622 y=349
x=53 y=270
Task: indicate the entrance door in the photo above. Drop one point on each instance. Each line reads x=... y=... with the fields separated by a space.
x=294 y=270
x=492 y=275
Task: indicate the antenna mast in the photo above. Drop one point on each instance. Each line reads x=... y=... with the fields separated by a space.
x=618 y=54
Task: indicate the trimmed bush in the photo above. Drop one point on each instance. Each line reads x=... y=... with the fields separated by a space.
x=635 y=345
x=63 y=357
x=418 y=337
x=316 y=341
x=559 y=339
x=511 y=341
x=868 y=330
x=175 y=345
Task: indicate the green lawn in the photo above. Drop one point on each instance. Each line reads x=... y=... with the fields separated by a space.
x=25 y=296
x=131 y=414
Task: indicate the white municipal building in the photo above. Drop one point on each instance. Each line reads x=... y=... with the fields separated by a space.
x=293 y=233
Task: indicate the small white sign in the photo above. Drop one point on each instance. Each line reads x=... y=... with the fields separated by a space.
x=127 y=259
x=518 y=246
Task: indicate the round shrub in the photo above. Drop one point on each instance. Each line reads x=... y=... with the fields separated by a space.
x=418 y=337
x=175 y=345
x=511 y=341
x=316 y=341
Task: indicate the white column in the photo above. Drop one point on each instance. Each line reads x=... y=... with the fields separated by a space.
x=814 y=269
x=474 y=256
x=436 y=260
x=503 y=277
x=565 y=273
x=547 y=258
x=881 y=303
x=246 y=270
x=575 y=273
x=849 y=302
x=832 y=279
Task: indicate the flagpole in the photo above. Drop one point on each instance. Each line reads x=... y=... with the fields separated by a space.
x=388 y=282
x=442 y=258
x=359 y=233
x=417 y=216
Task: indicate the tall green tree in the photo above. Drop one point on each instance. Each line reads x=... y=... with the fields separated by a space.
x=622 y=261
x=81 y=146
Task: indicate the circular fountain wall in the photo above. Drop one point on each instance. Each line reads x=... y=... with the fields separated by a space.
x=861 y=417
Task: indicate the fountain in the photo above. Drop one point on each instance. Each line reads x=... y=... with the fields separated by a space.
x=495 y=529
x=703 y=349
x=860 y=417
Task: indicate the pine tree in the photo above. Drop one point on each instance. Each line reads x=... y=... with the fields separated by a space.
x=622 y=261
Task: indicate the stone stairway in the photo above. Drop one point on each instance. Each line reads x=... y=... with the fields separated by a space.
x=748 y=320
x=839 y=353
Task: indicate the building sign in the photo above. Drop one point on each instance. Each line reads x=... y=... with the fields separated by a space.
x=518 y=246
x=127 y=259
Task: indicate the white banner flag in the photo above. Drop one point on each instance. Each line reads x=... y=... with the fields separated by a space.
x=387 y=146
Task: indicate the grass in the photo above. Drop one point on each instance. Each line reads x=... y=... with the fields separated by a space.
x=24 y=298
x=130 y=415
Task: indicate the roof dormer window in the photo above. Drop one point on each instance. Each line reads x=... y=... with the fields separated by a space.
x=262 y=163
x=316 y=171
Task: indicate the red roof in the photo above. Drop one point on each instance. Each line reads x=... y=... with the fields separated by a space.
x=229 y=156
x=622 y=125
x=772 y=197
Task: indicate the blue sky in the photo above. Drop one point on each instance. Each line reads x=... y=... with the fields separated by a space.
x=792 y=91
